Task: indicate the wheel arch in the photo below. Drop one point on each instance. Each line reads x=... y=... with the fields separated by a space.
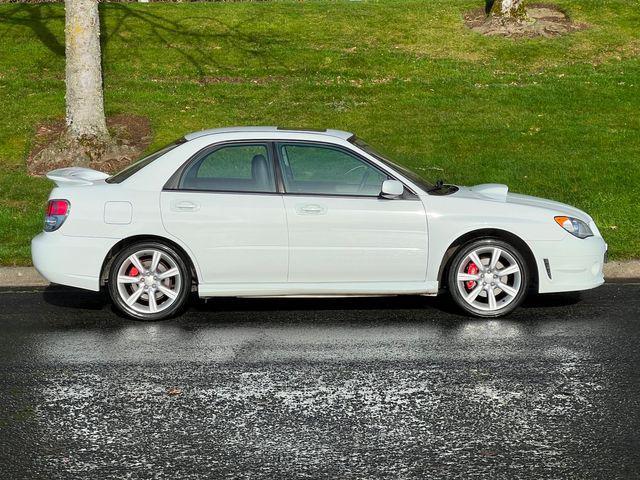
x=499 y=234
x=125 y=242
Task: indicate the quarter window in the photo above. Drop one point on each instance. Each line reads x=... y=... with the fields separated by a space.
x=325 y=170
x=234 y=168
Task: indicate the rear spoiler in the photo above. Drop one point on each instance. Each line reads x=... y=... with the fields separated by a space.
x=76 y=176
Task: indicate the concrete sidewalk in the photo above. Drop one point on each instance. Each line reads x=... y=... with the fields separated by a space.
x=28 y=277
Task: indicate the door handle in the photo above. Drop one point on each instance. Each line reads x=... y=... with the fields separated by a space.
x=185 y=206
x=311 y=209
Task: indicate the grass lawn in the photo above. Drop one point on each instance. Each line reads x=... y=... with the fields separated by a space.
x=558 y=118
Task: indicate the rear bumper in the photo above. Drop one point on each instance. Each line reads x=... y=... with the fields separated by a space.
x=573 y=264
x=72 y=261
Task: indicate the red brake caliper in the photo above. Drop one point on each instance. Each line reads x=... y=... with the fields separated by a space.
x=472 y=269
x=133 y=272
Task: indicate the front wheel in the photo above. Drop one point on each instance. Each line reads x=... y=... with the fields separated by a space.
x=149 y=281
x=488 y=278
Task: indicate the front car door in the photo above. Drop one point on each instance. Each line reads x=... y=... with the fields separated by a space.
x=340 y=230
x=226 y=209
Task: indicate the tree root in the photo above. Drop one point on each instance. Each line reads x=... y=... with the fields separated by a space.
x=53 y=148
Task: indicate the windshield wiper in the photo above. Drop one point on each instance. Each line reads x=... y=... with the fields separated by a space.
x=438 y=186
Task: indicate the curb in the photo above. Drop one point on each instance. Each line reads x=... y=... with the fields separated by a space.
x=21 y=277
x=28 y=276
x=617 y=271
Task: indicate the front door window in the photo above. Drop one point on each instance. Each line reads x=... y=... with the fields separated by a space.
x=324 y=170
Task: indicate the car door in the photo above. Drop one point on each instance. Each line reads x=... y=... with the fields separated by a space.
x=226 y=209
x=340 y=230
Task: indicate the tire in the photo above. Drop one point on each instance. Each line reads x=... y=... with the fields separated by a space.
x=132 y=279
x=471 y=286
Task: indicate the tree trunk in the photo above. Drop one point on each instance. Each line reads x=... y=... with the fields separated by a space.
x=509 y=8
x=85 y=104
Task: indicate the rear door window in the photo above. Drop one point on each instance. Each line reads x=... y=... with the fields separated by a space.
x=232 y=168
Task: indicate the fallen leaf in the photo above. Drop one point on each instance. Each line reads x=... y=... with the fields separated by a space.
x=488 y=453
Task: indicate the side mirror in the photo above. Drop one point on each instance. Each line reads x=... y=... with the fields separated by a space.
x=392 y=189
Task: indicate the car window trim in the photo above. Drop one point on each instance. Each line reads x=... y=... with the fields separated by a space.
x=277 y=168
x=231 y=192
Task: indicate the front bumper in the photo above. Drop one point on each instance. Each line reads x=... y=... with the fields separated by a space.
x=573 y=264
x=72 y=261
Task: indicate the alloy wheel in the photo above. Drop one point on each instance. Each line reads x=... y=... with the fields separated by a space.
x=149 y=281
x=489 y=278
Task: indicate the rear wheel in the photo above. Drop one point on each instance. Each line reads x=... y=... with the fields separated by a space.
x=488 y=278
x=149 y=281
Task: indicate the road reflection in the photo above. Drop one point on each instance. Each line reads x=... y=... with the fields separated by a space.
x=81 y=327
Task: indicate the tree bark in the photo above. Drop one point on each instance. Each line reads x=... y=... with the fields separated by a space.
x=85 y=104
x=510 y=8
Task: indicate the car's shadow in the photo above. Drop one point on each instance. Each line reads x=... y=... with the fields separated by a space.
x=74 y=298
x=316 y=310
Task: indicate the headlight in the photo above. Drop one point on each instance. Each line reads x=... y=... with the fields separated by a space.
x=574 y=226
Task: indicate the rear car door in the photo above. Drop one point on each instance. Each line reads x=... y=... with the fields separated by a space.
x=225 y=207
x=340 y=230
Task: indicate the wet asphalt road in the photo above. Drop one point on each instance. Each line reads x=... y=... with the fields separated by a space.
x=347 y=388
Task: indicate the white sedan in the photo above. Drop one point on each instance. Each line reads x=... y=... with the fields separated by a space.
x=265 y=211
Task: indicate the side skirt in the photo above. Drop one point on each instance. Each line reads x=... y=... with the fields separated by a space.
x=316 y=289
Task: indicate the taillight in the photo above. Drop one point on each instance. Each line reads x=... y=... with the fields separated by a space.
x=56 y=214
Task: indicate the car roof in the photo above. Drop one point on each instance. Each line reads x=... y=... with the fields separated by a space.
x=253 y=130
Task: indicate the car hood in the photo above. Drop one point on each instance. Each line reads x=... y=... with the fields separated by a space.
x=500 y=193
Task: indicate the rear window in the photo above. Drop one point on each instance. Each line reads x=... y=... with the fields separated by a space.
x=140 y=164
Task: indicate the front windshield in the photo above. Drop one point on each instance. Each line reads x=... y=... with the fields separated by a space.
x=140 y=164
x=414 y=177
